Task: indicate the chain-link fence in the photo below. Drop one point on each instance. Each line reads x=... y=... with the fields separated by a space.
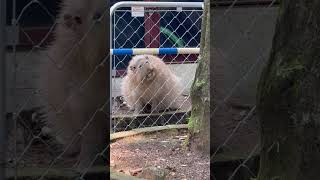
x=242 y=35
x=154 y=25
x=52 y=65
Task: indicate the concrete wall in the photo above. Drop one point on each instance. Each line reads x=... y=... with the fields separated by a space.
x=233 y=52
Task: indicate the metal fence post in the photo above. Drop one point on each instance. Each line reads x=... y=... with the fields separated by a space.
x=3 y=130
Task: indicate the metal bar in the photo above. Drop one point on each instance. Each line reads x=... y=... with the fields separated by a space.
x=113 y=72
x=162 y=10
x=154 y=4
x=3 y=127
x=155 y=51
x=148 y=4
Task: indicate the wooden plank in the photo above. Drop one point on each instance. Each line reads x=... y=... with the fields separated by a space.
x=119 y=135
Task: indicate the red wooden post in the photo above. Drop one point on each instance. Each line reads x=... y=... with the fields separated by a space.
x=152 y=28
x=152 y=37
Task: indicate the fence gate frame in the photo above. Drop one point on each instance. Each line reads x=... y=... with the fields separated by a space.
x=147 y=50
x=145 y=4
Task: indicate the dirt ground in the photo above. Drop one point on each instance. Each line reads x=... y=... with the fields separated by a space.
x=163 y=150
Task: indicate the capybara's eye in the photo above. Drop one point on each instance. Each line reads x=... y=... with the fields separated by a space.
x=78 y=20
x=132 y=68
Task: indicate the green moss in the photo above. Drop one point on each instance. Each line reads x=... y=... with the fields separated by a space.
x=286 y=70
x=190 y=123
x=193 y=124
x=195 y=108
x=200 y=83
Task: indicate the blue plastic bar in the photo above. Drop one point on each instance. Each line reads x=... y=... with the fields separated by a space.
x=168 y=51
x=155 y=51
x=122 y=52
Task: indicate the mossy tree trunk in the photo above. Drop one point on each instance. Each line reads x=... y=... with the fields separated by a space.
x=288 y=98
x=199 y=122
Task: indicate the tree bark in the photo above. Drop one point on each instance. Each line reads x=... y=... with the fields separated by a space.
x=199 y=122
x=288 y=96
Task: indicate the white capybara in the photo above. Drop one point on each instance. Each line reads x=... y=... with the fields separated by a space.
x=150 y=81
x=77 y=80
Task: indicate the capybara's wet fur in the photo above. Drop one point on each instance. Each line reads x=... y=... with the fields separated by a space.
x=77 y=85
x=150 y=81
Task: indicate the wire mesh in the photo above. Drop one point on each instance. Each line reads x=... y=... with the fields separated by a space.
x=32 y=145
x=154 y=27
x=159 y=27
x=247 y=27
